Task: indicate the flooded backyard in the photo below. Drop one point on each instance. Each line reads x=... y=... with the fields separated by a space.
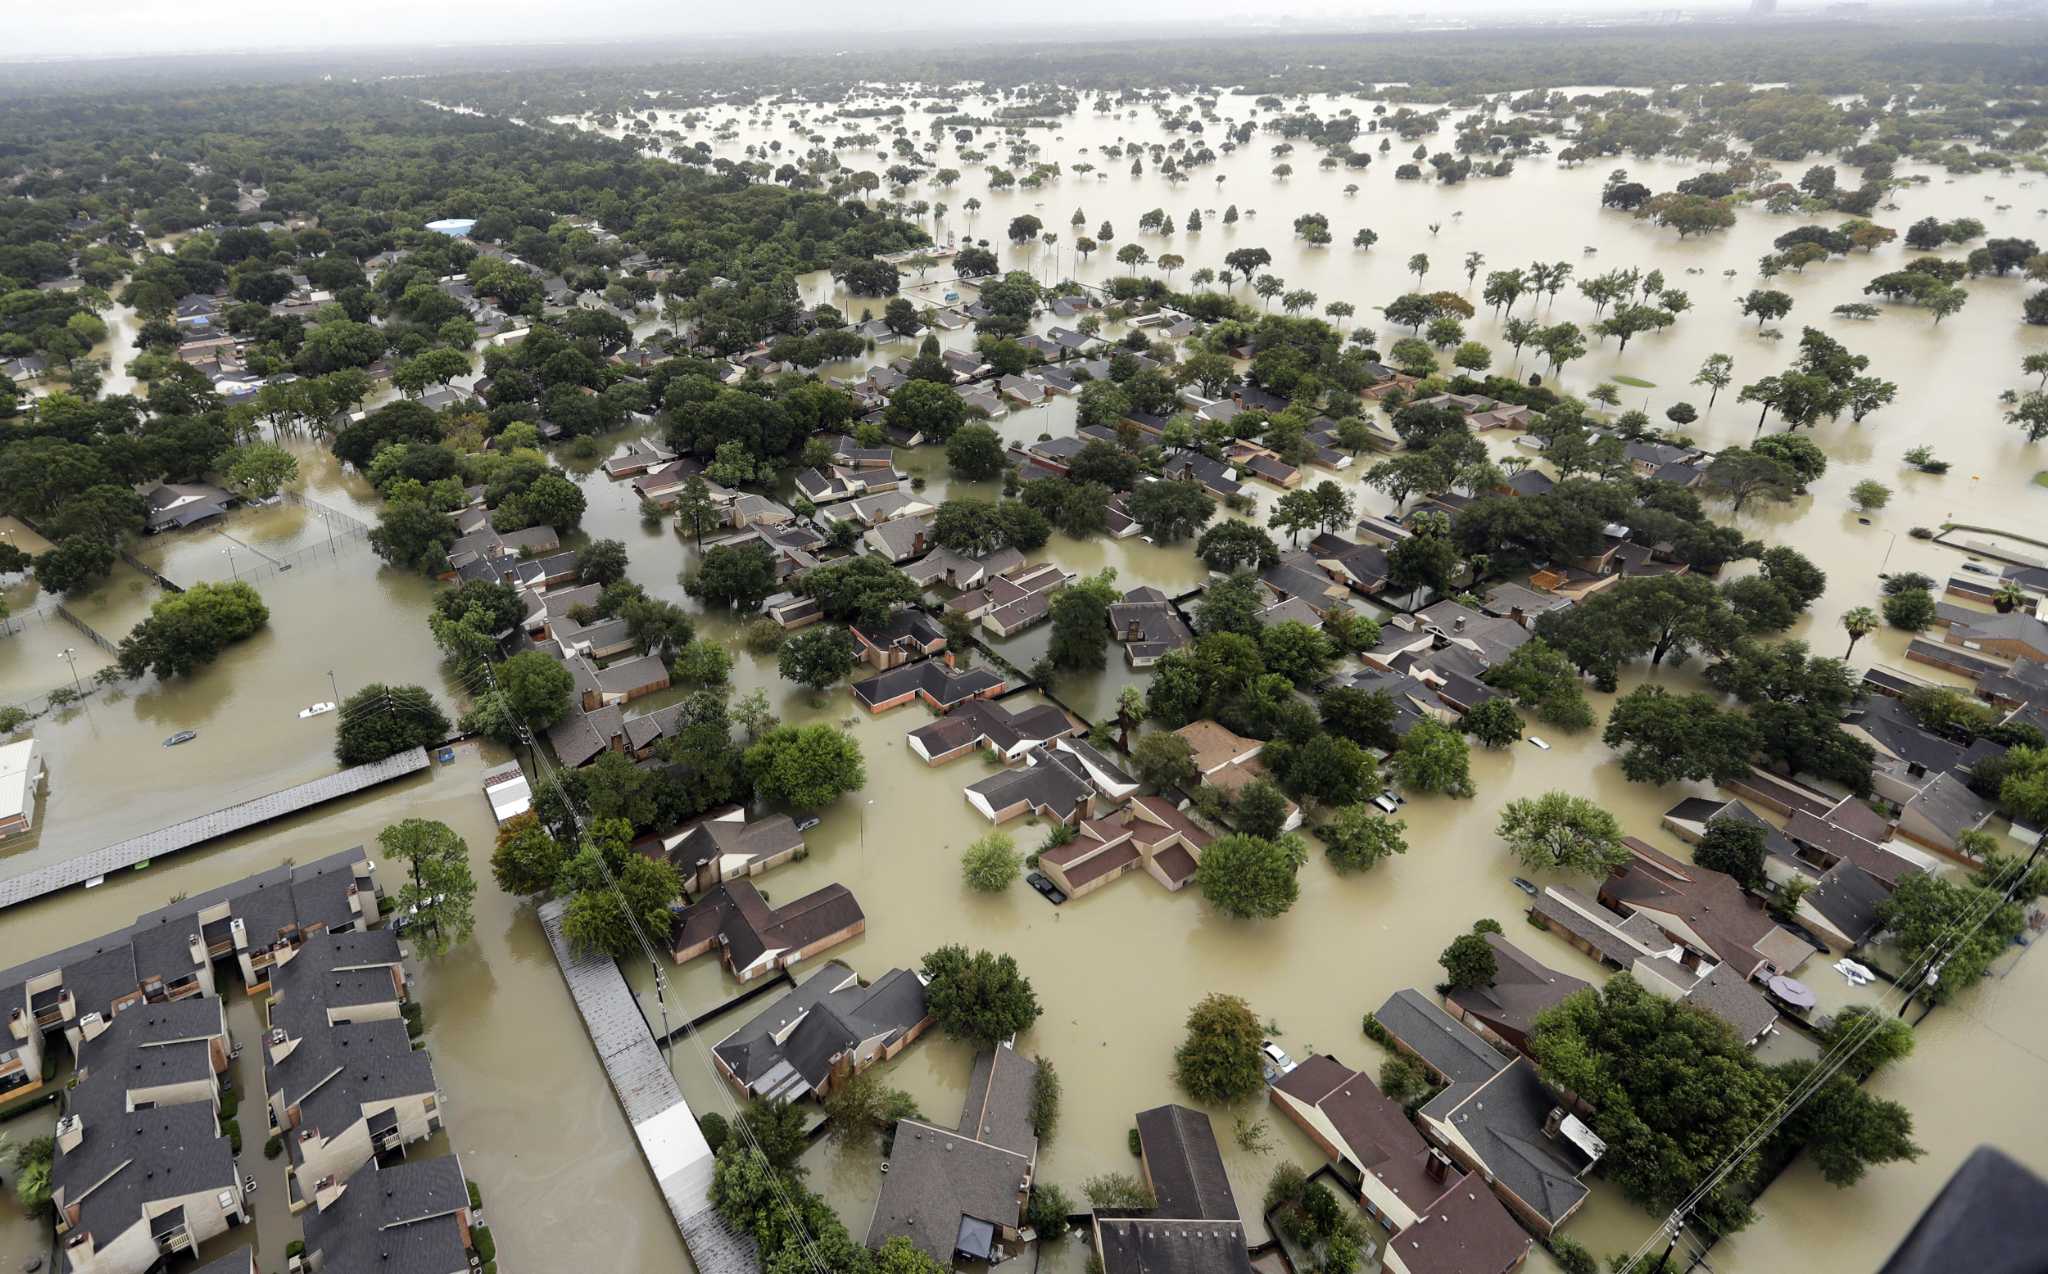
x=1117 y=971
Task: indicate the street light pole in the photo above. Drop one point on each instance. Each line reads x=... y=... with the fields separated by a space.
x=70 y=655
x=333 y=687
x=230 y=555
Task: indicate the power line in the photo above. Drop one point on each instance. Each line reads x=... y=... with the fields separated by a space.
x=1922 y=972
x=618 y=893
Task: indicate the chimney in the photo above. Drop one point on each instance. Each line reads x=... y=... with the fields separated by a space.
x=917 y=543
x=326 y=1191
x=70 y=1133
x=1438 y=1165
x=279 y=1045
x=240 y=931
x=1458 y=625
x=1553 y=1121
x=196 y=948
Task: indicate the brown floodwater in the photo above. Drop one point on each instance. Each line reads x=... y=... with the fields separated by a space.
x=1118 y=970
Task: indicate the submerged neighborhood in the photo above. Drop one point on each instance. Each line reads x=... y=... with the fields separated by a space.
x=598 y=640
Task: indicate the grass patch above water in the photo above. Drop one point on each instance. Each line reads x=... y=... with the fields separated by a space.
x=1635 y=382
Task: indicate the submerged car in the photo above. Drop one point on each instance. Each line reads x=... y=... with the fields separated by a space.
x=182 y=736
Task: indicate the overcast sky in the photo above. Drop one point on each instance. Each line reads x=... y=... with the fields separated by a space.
x=98 y=28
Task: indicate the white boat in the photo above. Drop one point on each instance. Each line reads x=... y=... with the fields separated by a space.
x=1539 y=743
x=314 y=710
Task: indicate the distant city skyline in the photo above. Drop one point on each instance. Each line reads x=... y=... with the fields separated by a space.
x=126 y=28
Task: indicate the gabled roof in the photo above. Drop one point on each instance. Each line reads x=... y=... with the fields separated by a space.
x=1521 y=989
x=799 y=1037
x=1467 y=1231
x=1150 y=1245
x=1186 y=1168
x=1377 y=1134
x=997 y=1109
x=1447 y=1045
x=1503 y=1120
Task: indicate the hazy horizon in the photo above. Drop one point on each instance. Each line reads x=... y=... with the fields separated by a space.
x=130 y=28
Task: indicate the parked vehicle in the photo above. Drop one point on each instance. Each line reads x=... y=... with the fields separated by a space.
x=182 y=736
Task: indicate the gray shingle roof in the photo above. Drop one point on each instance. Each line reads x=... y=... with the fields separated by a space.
x=1440 y=1040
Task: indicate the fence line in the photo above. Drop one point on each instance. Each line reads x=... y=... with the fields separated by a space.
x=8 y=626
x=327 y=513
x=91 y=634
x=162 y=580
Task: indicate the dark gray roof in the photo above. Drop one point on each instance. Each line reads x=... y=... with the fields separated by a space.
x=938 y=1179
x=941 y=683
x=997 y=1109
x=1728 y=996
x=1849 y=897
x=1150 y=1245
x=1502 y=1119
x=1439 y=1039
x=1186 y=1168
x=396 y=1220
x=832 y=1013
x=1048 y=783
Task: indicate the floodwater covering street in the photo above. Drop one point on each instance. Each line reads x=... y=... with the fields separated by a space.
x=1117 y=971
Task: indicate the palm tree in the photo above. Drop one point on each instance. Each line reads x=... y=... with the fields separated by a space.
x=1858 y=623
x=2009 y=597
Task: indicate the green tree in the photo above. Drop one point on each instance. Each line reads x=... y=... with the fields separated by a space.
x=1080 y=622
x=817 y=657
x=258 y=470
x=1495 y=723
x=536 y=688
x=1170 y=511
x=1932 y=916
x=1357 y=837
x=805 y=767
x=1870 y=494
x=601 y=562
x=739 y=576
x=1234 y=545
x=380 y=720
x=1672 y=1091
x=1260 y=809
x=1251 y=877
x=1664 y=738
x=186 y=631
x=1469 y=962
x=439 y=895
x=527 y=860
x=1164 y=760
x=413 y=535
x=1911 y=609
x=975 y=453
x=928 y=408
x=991 y=864
x=1544 y=682
x=1558 y=831
x=1218 y=1059
x=1433 y=758
x=979 y=997
x=861 y=1107
x=612 y=889
x=1734 y=846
